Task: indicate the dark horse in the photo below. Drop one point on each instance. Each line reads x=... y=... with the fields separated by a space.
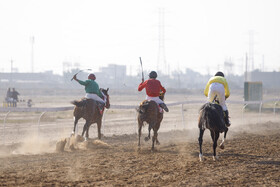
x=84 y=109
x=211 y=117
x=149 y=112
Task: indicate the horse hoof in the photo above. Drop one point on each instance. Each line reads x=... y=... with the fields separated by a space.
x=72 y=134
x=222 y=146
x=157 y=143
x=200 y=157
x=86 y=139
x=215 y=158
x=146 y=139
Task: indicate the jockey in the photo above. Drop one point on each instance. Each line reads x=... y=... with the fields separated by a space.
x=153 y=89
x=92 y=89
x=218 y=85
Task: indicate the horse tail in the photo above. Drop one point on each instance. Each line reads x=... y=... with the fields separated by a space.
x=210 y=116
x=79 y=103
x=203 y=118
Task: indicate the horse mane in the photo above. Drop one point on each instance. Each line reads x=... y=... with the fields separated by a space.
x=211 y=116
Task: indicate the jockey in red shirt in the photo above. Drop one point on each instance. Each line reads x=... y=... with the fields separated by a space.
x=153 y=89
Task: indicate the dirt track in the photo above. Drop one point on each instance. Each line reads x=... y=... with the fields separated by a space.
x=249 y=158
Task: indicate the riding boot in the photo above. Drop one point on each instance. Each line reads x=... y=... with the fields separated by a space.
x=163 y=105
x=101 y=105
x=226 y=117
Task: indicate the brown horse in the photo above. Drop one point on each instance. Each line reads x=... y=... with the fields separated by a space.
x=91 y=111
x=211 y=117
x=149 y=112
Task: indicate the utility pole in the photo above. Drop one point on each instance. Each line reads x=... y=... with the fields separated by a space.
x=246 y=68
x=251 y=49
x=228 y=64
x=161 y=43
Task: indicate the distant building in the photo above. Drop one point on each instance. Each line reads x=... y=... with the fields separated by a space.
x=114 y=71
x=269 y=79
x=16 y=79
x=113 y=74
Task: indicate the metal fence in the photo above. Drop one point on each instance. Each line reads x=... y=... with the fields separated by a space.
x=120 y=119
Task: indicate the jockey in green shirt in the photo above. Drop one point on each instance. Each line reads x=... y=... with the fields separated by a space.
x=91 y=88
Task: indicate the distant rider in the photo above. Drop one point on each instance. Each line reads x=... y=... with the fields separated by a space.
x=15 y=95
x=218 y=85
x=92 y=89
x=9 y=97
x=153 y=89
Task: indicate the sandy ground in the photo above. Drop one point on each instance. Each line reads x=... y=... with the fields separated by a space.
x=251 y=158
x=28 y=154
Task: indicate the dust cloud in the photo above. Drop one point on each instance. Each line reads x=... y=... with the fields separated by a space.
x=32 y=145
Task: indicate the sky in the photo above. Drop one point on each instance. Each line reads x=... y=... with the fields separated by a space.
x=196 y=34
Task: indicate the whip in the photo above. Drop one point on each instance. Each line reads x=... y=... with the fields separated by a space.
x=142 y=69
x=80 y=72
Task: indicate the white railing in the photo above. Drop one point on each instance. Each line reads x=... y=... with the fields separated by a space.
x=9 y=110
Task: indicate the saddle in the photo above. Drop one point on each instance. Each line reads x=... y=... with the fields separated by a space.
x=84 y=102
x=144 y=106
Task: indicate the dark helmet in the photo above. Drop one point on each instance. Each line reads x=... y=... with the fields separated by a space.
x=91 y=76
x=153 y=74
x=219 y=73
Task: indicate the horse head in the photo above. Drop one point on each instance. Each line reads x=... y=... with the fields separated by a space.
x=105 y=93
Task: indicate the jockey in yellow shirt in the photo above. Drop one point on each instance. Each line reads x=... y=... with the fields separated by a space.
x=218 y=85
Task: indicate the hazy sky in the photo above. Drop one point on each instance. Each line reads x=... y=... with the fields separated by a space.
x=199 y=34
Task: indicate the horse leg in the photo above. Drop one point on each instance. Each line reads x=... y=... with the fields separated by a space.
x=87 y=135
x=200 y=140
x=140 y=124
x=222 y=146
x=215 y=136
x=75 y=124
x=154 y=139
x=157 y=142
x=99 y=129
x=149 y=135
x=86 y=127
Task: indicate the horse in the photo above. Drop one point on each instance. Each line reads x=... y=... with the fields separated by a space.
x=148 y=111
x=84 y=109
x=211 y=117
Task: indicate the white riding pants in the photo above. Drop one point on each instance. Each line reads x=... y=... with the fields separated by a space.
x=219 y=90
x=156 y=99
x=94 y=97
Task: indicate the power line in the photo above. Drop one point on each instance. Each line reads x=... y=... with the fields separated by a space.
x=161 y=64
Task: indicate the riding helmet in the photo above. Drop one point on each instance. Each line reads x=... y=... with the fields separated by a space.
x=153 y=74
x=91 y=76
x=219 y=73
